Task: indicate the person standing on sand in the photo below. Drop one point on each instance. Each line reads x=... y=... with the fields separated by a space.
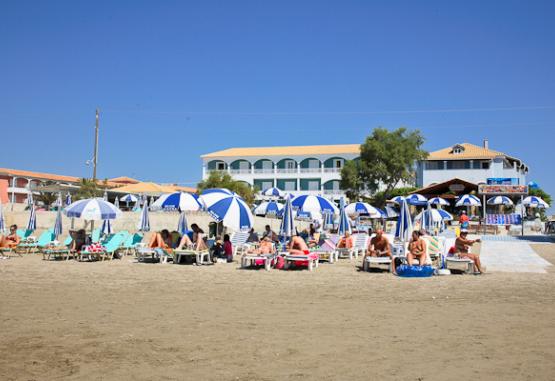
x=463 y=220
x=462 y=248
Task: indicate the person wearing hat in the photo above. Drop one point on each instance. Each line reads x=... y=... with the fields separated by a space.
x=462 y=248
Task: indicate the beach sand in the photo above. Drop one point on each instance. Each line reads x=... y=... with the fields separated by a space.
x=125 y=321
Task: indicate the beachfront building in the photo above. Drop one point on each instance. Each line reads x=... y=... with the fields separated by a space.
x=295 y=169
x=471 y=163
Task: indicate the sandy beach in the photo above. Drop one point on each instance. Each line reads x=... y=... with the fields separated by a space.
x=121 y=320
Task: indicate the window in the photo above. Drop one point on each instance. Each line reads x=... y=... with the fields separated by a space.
x=476 y=164
x=434 y=165
x=289 y=164
x=313 y=185
x=485 y=164
x=267 y=164
x=289 y=185
x=220 y=166
x=338 y=163
x=243 y=165
x=313 y=163
x=458 y=164
x=458 y=149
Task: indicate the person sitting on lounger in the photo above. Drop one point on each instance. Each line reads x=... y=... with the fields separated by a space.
x=161 y=240
x=346 y=242
x=297 y=246
x=253 y=236
x=11 y=240
x=79 y=241
x=379 y=247
x=462 y=248
x=417 y=249
x=268 y=232
x=197 y=242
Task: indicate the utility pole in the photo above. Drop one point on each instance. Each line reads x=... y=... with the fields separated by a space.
x=95 y=157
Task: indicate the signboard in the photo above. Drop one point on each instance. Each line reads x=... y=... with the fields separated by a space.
x=456 y=188
x=502 y=181
x=497 y=190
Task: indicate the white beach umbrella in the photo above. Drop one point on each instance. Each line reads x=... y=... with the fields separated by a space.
x=468 y=200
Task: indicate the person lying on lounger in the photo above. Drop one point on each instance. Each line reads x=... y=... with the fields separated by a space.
x=297 y=246
x=11 y=240
x=161 y=240
x=462 y=248
x=417 y=249
x=197 y=242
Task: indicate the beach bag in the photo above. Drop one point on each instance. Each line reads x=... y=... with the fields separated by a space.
x=407 y=271
x=280 y=263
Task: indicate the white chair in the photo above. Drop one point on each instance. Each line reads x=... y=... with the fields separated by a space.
x=239 y=242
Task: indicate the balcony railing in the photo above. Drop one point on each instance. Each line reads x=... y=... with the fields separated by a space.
x=311 y=170
x=333 y=191
x=286 y=170
x=332 y=170
x=240 y=171
x=264 y=170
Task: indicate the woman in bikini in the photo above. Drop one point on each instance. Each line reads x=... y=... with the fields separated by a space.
x=417 y=249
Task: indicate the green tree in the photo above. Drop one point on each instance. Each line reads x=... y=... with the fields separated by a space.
x=538 y=192
x=87 y=189
x=379 y=199
x=218 y=179
x=386 y=160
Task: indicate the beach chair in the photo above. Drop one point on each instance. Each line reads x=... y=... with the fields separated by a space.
x=96 y=235
x=311 y=260
x=130 y=243
x=45 y=239
x=252 y=259
x=113 y=245
x=360 y=245
x=199 y=257
x=382 y=263
x=456 y=264
x=239 y=242
x=24 y=233
x=327 y=251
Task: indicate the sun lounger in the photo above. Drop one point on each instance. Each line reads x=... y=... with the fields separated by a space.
x=360 y=245
x=239 y=242
x=129 y=245
x=200 y=257
x=45 y=239
x=311 y=259
x=249 y=260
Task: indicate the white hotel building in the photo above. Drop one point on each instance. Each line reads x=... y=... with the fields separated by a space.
x=317 y=169
x=296 y=169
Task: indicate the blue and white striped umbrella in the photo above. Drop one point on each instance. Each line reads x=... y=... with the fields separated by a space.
x=403 y=230
x=362 y=209
x=268 y=208
x=314 y=204
x=228 y=207
x=58 y=223
x=302 y=215
x=445 y=216
x=107 y=227
x=2 y=221
x=416 y=199
x=412 y=199
x=468 y=200
x=344 y=223
x=272 y=192
x=116 y=202
x=32 y=224
x=93 y=209
x=180 y=201
x=427 y=220
x=182 y=226
x=287 y=223
x=144 y=221
x=535 y=202
x=68 y=199
x=438 y=201
x=499 y=200
x=129 y=198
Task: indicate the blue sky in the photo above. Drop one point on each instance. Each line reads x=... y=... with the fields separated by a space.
x=177 y=79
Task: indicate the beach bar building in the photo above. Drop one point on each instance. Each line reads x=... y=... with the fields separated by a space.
x=471 y=163
x=294 y=169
